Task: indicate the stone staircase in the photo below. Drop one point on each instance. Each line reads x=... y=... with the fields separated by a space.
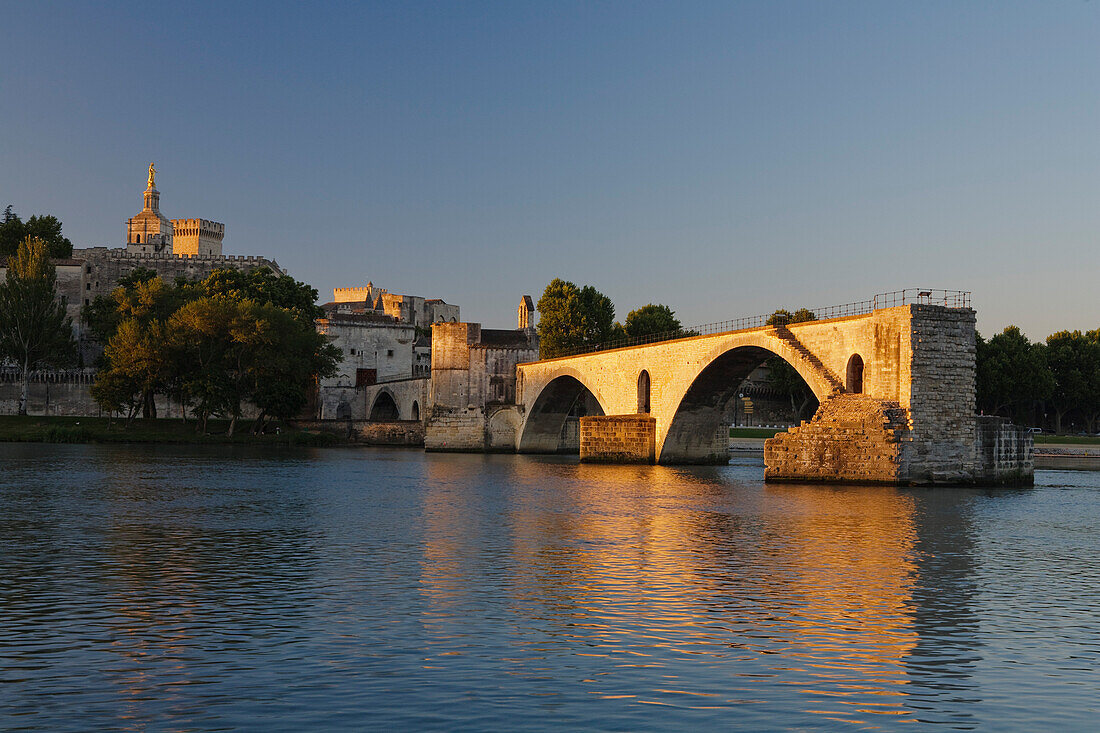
x=836 y=385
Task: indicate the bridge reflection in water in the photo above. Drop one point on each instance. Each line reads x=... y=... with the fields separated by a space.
x=628 y=575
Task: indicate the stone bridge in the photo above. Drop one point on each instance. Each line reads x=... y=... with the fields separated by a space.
x=896 y=387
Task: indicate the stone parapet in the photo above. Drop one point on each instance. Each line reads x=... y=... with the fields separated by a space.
x=618 y=439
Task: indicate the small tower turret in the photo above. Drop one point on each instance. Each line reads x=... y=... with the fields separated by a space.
x=525 y=313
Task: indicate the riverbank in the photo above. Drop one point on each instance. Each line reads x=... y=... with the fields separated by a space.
x=32 y=429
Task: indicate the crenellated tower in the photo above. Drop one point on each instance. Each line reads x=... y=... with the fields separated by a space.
x=197 y=237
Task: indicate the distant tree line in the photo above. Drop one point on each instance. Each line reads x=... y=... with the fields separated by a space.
x=211 y=345
x=1054 y=384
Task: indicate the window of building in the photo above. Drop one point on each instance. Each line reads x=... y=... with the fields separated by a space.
x=87 y=286
x=389 y=352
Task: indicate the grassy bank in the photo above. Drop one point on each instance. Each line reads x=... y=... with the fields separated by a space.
x=1041 y=438
x=102 y=430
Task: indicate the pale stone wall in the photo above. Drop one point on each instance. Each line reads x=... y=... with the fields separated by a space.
x=70 y=285
x=68 y=393
x=365 y=343
x=941 y=404
x=340 y=402
x=618 y=439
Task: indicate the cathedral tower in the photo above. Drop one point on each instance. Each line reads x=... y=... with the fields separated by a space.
x=150 y=231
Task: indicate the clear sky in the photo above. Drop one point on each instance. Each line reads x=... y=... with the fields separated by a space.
x=722 y=158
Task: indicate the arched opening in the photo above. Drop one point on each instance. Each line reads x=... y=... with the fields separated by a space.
x=853 y=381
x=137 y=239
x=699 y=430
x=343 y=411
x=416 y=410
x=384 y=409
x=643 y=393
x=553 y=423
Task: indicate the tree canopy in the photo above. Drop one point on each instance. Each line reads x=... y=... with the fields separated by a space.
x=45 y=227
x=651 y=320
x=571 y=318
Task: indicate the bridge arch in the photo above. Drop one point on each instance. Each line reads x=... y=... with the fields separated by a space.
x=692 y=433
x=542 y=427
x=384 y=408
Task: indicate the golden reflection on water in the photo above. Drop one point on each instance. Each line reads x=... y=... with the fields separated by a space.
x=657 y=568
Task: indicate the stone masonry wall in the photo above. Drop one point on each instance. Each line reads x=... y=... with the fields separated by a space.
x=1006 y=452
x=941 y=447
x=618 y=439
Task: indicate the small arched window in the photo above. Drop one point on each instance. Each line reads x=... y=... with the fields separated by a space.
x=853 y=381
x=416 y=410
x=137 y=239
x=643 y=393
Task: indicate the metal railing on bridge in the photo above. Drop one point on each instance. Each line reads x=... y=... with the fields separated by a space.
x=922 y=296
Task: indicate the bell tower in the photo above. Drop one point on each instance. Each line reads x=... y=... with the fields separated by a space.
x=149 y=232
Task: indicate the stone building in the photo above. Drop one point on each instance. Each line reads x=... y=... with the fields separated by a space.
x=383 y=338
x=413 y=309
x=472 y=393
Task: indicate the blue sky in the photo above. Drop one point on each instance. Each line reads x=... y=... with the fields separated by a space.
x=725 y=158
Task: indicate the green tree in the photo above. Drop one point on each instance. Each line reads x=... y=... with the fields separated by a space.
x=203 y=332
x=142 y=362
x=243 y=350
x=14 y=230
x=34 y=330
x=784 y=378
x=1074 y=361
x=1012 y=374
x=133 y=323
x=263 y=285
x=286 y=363
x=651 y=320
x=571 y=318
x=104 y=314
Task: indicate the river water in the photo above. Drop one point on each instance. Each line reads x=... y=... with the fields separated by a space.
x=199 y=588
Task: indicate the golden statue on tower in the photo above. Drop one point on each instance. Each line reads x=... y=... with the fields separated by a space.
x=152 y=176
